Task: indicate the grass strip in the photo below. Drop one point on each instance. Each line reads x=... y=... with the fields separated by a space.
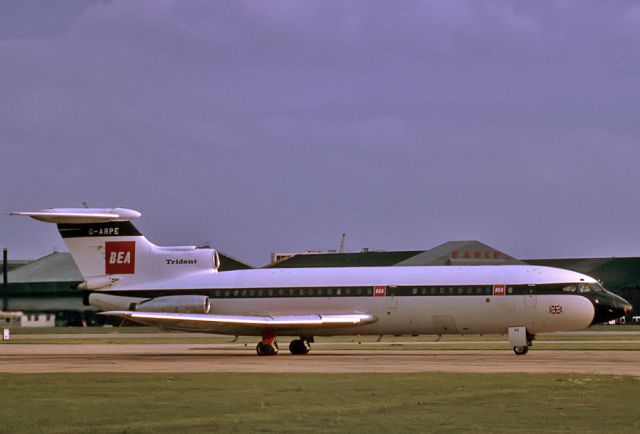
x=424 y=402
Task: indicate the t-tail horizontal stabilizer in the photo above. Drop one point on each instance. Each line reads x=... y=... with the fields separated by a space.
x=81 y=215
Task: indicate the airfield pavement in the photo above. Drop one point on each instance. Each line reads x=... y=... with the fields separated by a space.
x=181 y=358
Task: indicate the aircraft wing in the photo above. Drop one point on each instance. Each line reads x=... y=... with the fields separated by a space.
x=243 y=323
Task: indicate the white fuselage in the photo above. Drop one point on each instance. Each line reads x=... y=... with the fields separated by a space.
x=460 y=304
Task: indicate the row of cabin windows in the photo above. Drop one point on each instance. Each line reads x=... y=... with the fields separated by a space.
x=295 y=292
x=404 y=291
x=453 y=290
x=356 y=292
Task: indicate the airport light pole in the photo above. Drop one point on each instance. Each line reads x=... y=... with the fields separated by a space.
x=5 y=279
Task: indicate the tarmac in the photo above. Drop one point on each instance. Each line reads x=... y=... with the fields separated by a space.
x=194 y=358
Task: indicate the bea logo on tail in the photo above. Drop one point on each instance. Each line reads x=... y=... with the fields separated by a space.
x=120 y=257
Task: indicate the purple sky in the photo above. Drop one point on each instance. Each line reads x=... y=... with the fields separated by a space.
x=277 y=125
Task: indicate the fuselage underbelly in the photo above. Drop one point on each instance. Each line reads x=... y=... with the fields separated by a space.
x=427 y=315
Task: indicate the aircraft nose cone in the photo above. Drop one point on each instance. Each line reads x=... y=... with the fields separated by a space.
x=609 y=307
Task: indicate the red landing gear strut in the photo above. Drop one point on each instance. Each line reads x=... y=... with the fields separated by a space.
x=267 y=346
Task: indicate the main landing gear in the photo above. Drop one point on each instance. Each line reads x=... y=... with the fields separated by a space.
x=301 y=346
x=520 y=339
x=269 y=347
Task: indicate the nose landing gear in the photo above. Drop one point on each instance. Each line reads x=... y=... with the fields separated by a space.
x=520 y=339
x=521 y=351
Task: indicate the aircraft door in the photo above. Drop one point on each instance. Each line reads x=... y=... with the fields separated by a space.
x=530 y=298
x=392 y=299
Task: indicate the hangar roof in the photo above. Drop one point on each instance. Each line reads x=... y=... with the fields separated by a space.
x=461 y=253
x=449 y=253
x=12 y=264
x=55 y=267
x=362 y=259
x=228 y=263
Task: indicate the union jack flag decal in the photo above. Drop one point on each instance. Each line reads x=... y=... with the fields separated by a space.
x=555 y=309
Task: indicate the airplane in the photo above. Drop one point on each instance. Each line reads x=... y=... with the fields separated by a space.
x=181 y=288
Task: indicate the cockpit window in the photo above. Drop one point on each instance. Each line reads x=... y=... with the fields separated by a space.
x=596 y=287
x=583 y=287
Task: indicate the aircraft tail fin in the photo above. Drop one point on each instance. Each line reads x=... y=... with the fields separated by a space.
x=111 y=252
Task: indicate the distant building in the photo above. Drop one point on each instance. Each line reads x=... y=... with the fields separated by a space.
x=47 y=286
x=282 y=256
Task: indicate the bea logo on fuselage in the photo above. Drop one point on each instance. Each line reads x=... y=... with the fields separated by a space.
x=120 y=257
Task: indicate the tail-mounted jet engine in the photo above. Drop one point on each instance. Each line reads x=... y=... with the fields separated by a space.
x=167 y=304
x=197 y=257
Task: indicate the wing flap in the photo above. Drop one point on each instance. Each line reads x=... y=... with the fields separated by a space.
x=235 y=323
